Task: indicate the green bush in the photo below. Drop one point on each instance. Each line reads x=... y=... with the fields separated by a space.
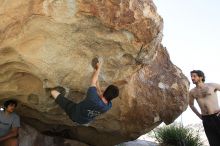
x=175 y=135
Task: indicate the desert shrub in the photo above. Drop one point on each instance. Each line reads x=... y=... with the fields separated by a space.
x=176 y=135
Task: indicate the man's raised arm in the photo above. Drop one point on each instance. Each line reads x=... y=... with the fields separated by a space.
x=95 y=75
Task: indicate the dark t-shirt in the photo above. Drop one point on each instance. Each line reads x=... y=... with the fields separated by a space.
x=91 y=107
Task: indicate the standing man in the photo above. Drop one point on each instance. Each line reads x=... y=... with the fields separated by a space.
x=9 y=124
x=206 y=96
x=93 y=105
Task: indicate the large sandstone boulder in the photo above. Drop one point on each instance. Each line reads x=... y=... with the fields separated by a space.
x=45 y=43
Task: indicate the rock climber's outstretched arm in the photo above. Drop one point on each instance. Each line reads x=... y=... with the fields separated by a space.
x=98 y=88
x=95 y=78
x=95 y=75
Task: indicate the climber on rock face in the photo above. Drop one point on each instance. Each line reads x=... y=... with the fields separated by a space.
x=93 y=105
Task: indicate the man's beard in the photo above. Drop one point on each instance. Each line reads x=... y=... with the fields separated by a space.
x=195 y=82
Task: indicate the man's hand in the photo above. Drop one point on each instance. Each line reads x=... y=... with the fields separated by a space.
x=96 y=73
x=98 y=65
x=95 y=61
x=12 y=133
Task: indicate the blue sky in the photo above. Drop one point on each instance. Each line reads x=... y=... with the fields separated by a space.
x=191 y=36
